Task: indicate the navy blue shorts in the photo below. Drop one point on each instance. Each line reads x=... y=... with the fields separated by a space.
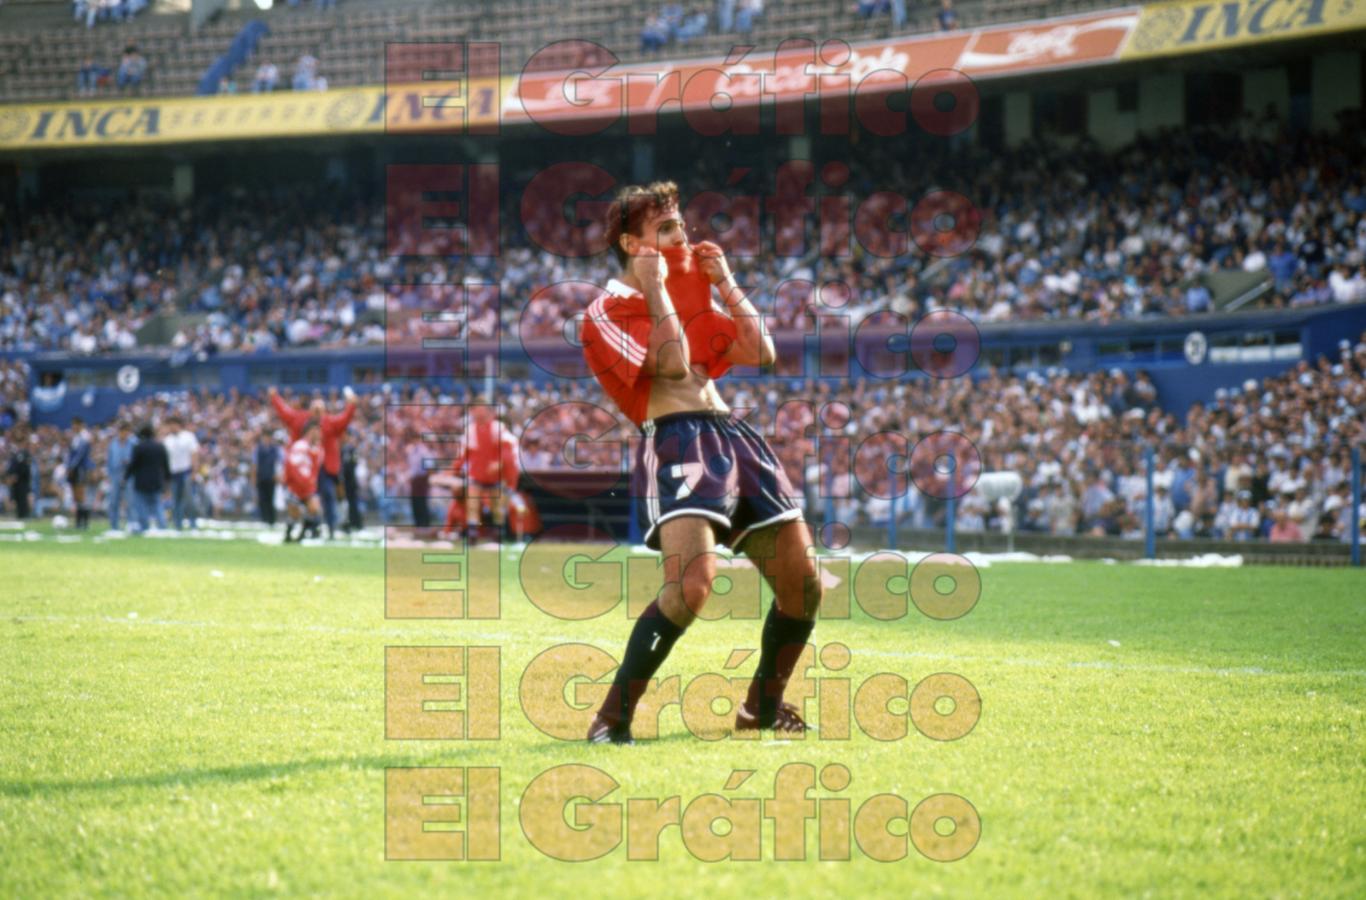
x=709 y=465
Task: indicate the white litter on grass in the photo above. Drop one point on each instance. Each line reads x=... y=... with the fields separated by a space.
x=976 y=560
x=215 y=573
x=132 y=615
x=1203 y=561
x=69 y=538
x=11 y=525
x=1112 y=642
x=317 y=578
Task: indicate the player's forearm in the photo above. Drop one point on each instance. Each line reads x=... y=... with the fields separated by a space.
x=755 y=346
x=667 y=355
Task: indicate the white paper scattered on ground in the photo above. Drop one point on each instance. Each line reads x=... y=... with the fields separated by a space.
x=1203 y=561
x=374 y=537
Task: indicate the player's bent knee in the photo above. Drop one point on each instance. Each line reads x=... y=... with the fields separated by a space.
x=672 y=604
x=696 y=589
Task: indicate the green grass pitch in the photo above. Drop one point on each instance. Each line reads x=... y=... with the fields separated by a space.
x=1144 y=732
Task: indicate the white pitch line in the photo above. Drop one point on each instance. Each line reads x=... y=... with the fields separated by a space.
x=550 y=640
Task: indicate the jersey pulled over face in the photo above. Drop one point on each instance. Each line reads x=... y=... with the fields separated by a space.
x=617 y=326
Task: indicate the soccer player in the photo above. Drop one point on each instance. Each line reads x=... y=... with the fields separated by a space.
x=483 y=476
x=656 y=340
x=332 y=427
x=490 y=468
x=303 y=463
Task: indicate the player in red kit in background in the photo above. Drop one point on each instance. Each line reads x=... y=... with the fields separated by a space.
x=303 y=463
x=655 y=339
x=484 y=474
x=491 y=470
x=332 y=427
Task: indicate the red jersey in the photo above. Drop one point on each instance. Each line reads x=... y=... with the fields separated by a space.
x=490 y=454
x=331 y=426
x=302 y=463
x=616 y=335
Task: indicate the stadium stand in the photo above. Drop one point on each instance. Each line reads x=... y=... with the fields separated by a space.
x=1074 y=438
x=1134 y=234
x=42 y=48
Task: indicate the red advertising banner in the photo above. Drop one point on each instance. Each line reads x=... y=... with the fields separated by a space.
x=804 y=67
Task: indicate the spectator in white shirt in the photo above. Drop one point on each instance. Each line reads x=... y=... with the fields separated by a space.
x=1243 y=520
x=267 y=78
x=1254 y=261
x=182 y=447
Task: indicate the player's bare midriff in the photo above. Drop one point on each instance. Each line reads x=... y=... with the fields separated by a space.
x=694 y=393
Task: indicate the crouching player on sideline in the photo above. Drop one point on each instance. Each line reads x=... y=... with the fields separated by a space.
x=483 y=476
x=522 y=517
x=490 y=469
x=655 y=340
x=303 y=462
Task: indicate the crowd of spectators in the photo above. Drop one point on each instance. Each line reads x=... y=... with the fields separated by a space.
x=14 y=403
x=1268 y=461
x=947 y=17
x=870 y=10
x=1066 y=233
x=128 y=76
x=677 y=26
x=93 y=77
x=92 y=11
x=874 y=11
x=673 y=24
x=1077 y=232
x=306 y=74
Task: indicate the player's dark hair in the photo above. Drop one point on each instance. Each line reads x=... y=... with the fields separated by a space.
x=632 y=206
x=147 y=432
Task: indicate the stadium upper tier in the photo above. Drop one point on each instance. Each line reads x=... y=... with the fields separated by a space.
x=1066 y=233
x=43 y=46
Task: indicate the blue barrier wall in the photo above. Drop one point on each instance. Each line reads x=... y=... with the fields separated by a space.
x=1238 y=346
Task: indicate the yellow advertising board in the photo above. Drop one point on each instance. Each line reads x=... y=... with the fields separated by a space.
x=1166 y=29
x=180 y=120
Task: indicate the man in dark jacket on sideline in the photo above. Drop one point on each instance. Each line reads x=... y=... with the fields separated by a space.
x=267 y=474
x=351 y=483
x=20 y=473
x=150 y=469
